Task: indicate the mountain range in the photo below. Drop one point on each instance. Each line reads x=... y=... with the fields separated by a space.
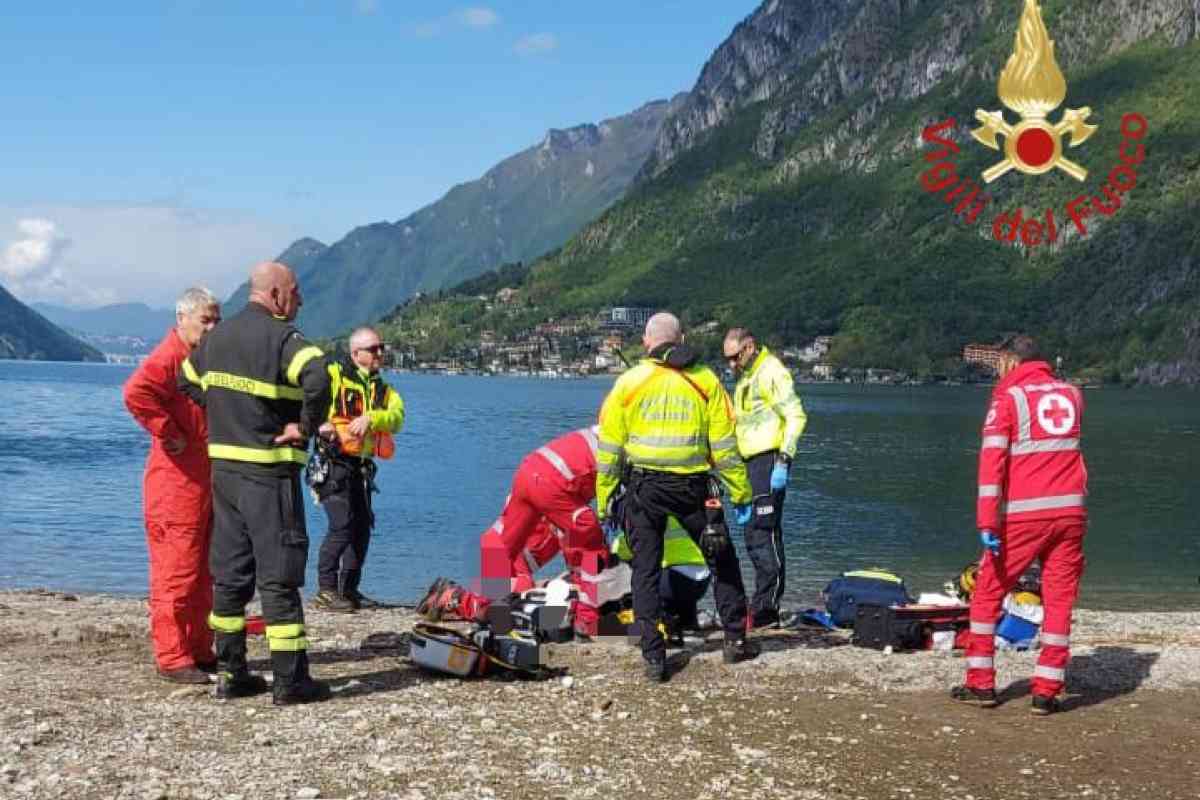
x=522 y=208
x=26 y=334
x=119 y=319
x=785 y=191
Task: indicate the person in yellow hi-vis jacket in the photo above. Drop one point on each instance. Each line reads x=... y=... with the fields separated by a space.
x=365 y=411
x=770 y=421
x=664 y=425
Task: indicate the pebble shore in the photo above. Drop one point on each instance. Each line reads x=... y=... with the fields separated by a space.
x=83 y=715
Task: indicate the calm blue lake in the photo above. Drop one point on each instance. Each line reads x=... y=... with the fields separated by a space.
x=884 y=477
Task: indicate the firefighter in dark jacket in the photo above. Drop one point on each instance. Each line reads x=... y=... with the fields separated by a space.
x=266 y=391
x=365 y=412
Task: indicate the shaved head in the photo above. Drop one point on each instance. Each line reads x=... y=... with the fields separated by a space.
x=662 y=328
x=268 y=275
x=363 y=337
x=366 y=349
x=273 y=285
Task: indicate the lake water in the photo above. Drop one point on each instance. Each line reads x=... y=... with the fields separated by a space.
x=884 y=477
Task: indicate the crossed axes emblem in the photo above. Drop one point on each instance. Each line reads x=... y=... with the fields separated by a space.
x=1034 y=146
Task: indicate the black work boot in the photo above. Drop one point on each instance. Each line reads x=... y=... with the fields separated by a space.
x=233 y=677
x=656 y=671
x=738 y=649
x=983 y=698
x=293 y=684
x=1044 y=706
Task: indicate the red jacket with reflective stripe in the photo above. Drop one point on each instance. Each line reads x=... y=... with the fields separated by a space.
x=177 y=488
x=573 y=457
x=1030 y=464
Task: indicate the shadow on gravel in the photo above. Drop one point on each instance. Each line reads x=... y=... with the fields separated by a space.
x=771 y=641
x=1099 y=676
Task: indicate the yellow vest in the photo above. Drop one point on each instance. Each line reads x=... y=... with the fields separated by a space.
x=769 y=414
x=668 y=420
x=678 y=548
x=356 y=393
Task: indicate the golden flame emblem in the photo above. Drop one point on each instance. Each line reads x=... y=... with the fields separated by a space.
x=1032 y=85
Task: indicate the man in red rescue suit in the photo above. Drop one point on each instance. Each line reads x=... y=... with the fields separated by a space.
x=177 y=496
x=1032 y=504
x=546 y=512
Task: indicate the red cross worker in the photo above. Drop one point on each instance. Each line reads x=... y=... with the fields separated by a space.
x=1033 y=498
x=548 y=511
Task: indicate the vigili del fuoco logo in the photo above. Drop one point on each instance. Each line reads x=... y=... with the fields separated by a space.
x=1032 y=86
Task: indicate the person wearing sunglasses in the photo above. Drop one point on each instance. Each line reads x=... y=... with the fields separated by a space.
x=769 y=422
x=365 y=412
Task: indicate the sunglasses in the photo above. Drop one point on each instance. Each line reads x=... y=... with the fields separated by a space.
x=733 y=359
x=377 y=349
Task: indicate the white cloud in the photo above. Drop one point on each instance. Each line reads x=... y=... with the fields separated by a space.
x=88 y=256
x=478 y=17
x=38 y=245
x=536 y=44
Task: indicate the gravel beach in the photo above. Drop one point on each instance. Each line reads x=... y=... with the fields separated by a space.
x=84 y=716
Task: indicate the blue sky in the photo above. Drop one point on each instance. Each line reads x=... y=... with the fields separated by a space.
x=183 y=139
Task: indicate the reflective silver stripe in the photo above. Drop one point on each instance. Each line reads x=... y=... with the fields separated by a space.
x=605 y=468
x=989 y=490
x=592 y=439
x=1056 y=639
x=1049 y=387
x=1044 y=446
x=1049 y=673
x=983 y=628
x=665 y=441
x=1045 y=503
x=1022 y=404
x=723 y=444
x=995 y=442
x=556 y=460
x=979 y=662
x=531 y=561
x=729 y=462
x=575 y=514
x=605 y=447
x=686 y=461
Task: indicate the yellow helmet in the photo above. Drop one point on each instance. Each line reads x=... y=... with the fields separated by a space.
x=966 y=580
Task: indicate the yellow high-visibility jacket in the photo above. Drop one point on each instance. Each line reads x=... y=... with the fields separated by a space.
x=678 y=548
x=668 y=420
x=354 y=391
x=770 y=415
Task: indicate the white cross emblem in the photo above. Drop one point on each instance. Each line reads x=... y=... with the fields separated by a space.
x=1056 y=414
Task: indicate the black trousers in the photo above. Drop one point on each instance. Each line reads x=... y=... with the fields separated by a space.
x=346 y=498
x=653 y=496
x=259 y=539
x=764 y=539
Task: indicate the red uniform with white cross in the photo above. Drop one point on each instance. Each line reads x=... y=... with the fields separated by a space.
x=547 y=512
x=1033 y=495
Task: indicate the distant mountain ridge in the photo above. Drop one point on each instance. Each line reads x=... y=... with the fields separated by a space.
x=524 y=207
x=119 y=319
x=26 y=334
x=785 y=194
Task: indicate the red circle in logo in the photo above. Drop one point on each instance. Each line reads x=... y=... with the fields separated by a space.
x=1035 y=147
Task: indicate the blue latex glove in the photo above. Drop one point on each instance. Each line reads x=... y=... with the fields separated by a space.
x=742 y=513
x=991 y=541
x=779 y=476
x=611 y=530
